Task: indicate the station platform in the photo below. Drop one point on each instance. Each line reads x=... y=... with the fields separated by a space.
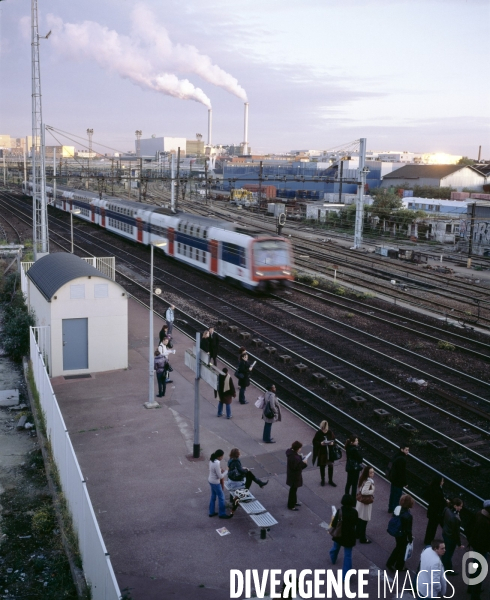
x=151 y=499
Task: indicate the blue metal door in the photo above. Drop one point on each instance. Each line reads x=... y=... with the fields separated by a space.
x=75 y=344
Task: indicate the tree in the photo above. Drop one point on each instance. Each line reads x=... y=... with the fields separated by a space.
x=386 y=201
x=464 y=160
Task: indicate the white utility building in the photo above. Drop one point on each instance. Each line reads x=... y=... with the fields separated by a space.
x=86 y=312
x=151 y=146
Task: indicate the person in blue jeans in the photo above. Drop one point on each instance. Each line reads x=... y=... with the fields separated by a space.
x=216 y=474
x=347 y=514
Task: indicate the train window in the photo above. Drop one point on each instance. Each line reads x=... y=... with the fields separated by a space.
x=198 y=252
x=204 y=257
x=198 y=231
x=191 y=230
x=204 y=234
x=185 y=228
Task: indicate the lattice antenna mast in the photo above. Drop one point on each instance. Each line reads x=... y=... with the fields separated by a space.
x=39 y=204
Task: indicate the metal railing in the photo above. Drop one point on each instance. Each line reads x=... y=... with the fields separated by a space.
x=97 y=565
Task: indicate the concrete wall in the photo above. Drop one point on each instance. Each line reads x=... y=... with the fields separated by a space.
x=107 y=324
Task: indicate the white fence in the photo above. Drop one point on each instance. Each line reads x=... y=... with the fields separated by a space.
x=97 y=566
x=104 y=264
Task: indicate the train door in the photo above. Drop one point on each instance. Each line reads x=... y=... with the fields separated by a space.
x=171 y=240
x=64 y=204
x=92 y=211
x=213 y=249
x=102 y=216
x=139 y=225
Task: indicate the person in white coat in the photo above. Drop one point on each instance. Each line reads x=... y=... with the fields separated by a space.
x=430 y=579
x=365 y=499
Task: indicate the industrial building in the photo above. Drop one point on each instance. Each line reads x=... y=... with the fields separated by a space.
x=458 y=177
x=149 y=147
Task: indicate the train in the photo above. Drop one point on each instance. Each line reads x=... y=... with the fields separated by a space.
x=252 y=259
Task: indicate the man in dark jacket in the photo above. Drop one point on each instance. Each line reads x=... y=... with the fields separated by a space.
x=160 y=366
x=213 y=345
x=451 y=524
x=398 y=476
x=296 y=464
x=479 y=539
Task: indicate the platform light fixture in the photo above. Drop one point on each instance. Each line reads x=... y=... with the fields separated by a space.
x=73 y=211
x=159 y=243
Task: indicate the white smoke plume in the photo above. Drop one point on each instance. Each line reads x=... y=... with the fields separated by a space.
x=178 y=57
x=148 y=58
x=122 y=55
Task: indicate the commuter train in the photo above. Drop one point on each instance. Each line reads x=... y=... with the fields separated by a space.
x=256 y=261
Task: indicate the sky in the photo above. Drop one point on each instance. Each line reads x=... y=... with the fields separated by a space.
x=317 y=74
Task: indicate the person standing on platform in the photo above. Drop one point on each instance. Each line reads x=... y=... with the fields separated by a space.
x=436 y=504
x=431 y=582
x=451 y=524
x=205 y=341
x=244 y=369
x=163 y=333
x=270 y=413
x=364 y=505
x=160 y=366
x=170 y=317
x=294 y=475
x=353 y=464
x=213 y=345
x=226 y=392
x=323 y=443
x=398 y=476
x=396 y=561
x=216 y=475
x=347 y=514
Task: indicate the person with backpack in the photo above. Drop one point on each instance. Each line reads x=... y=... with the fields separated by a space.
x=324 y=452
x=397 y=475
x=160 y=366
x=294 y=474
x=270 y=413
x=436 y=504
x=353 y=464
x=237 y=473
x=451 y=524
x=400 y=527
x=347 y=517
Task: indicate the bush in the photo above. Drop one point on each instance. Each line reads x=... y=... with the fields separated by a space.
x=445 y=345
x=15 y=332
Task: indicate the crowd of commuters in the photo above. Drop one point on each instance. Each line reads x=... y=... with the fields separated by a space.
x=350 y=521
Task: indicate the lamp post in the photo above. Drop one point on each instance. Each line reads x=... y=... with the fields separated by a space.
x=73 y=211
x=159 y=243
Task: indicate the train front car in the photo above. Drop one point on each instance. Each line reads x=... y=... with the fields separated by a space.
x=272 y=263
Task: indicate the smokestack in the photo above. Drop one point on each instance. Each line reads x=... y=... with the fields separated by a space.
x=210 y=122
x=479 y=154
x=245 y=129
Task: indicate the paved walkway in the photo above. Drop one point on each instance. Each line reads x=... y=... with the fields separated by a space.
x=152 y=501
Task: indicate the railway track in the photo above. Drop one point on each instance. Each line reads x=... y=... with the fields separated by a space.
x=400 y=402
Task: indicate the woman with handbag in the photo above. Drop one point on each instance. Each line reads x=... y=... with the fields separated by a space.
x=343 y=532
x=353 y=464
x=270 y=413
x=325 y=451
x=365 y=499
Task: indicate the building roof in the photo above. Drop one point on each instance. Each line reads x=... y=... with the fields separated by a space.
x=52 y=271
x=428 y=171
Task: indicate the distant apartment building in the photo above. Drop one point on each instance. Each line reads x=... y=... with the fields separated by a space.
x=194 y=147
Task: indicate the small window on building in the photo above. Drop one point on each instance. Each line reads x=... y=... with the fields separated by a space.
x=448 y=228
x=77 y=291
x=101 y=290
